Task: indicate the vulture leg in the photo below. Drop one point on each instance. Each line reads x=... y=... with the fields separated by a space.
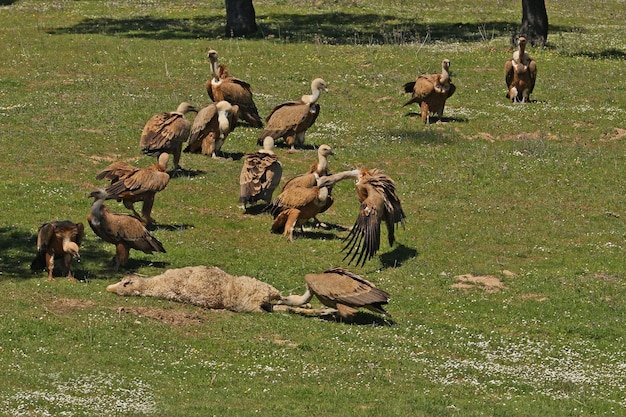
x=146 y=209
x=130 y=205
x=218 y=146
x=67 y=264
x=177 y=152
x=121 y=256
x=290 y=224
x=425 y=113
x=50 y=265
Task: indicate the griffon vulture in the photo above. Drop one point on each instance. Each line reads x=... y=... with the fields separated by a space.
x=342 y=290
x=520 y=73
x=130 y=184
x=290 y=120
x=431 y=91
x=211 y=127
x=126 y=232
x=260 y=174
x=302 y=197
x=379 y=202
x=58 y=240
x=166 y=132
x=223 y=86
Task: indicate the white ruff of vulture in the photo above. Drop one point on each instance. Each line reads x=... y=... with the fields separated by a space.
x=342 y=290
x=304 y=196
x=379 y=202
x=166 y=132
x=130 y=184
x=290 y=120
x=211 y=127
x=260 y=174
x=223 y=86
x=520 y=73
x=126 y=232
x=431 y=91
x=58 y=240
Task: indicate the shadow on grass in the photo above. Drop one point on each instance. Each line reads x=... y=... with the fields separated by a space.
x=606 y=54
x=18 y=248
x=188 y=173
x=397 y=256
x=424 y=134
x=330 y=28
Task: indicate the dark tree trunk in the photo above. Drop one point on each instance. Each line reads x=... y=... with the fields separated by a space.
x=240 y=18
x=534 y=22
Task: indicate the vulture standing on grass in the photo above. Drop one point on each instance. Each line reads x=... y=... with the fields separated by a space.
x=302 y=197
x=166 y=133
x=379 y=202
x=342 y=290
x=290 y=120
x=260 y=174
x=211 y=127
x=223 y=86
x=58 y=240
x=130 y=184
x=520 y=73
x=126 y=232
x=431 y=91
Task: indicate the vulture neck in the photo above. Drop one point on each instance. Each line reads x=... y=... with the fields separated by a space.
x=312 y=98
x=322 y=197
x=322 y=165
x=96 y=210
x=222 y=119
x=298 y=300
x=214 y=71
x=445 y=75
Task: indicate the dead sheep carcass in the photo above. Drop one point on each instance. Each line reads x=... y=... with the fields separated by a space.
x=207 y=287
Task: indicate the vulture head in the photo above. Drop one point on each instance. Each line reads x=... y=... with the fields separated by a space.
x=99 y=194
x=212 y=55
x=71 y=248
x=184 y=108
x=317 y=86
x=268 y=145
x=325 y=150
x=225 y=109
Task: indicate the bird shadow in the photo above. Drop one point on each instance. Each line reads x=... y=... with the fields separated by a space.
x=436 y=119
x=397 y=256
x=188 y=173
x=169 y=227
x=361 y=318
x=234 y=156
x=302 y=147
x=256 y=209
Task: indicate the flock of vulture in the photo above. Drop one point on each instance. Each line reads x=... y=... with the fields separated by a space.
x=302 y=198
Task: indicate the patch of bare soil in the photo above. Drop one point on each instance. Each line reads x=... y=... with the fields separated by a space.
x=171 y=317
x=617 y=134
x=534 y=296
x=488 y=283
x=68 y=305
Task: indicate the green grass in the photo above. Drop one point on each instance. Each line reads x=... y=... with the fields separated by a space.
x=531 y=194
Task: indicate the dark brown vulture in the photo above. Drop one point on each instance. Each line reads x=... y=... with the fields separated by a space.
x=431 y=91
x=130 y=184
x=290 y=120
x=379 y=202
x=223 y=86
x=302 y=197
x=211 y=127
x=520 y=73
x=58 y=240
x=126 y=232
x=260 y=174
x=342 y=290
x=166 y=133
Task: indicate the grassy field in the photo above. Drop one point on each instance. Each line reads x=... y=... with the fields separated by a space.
x=508 y=282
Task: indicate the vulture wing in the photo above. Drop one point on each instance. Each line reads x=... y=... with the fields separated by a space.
x=261 y=171
x=290 y=117
x=508 y=73
x=379 y=202
x=116 y=171
x=422 y=88
x=163 y=132
x=122 y=228
x=341 y=286
x=204 y=123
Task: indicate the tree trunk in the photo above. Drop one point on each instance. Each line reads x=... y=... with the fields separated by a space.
x=534 y=22
x=240 y=18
